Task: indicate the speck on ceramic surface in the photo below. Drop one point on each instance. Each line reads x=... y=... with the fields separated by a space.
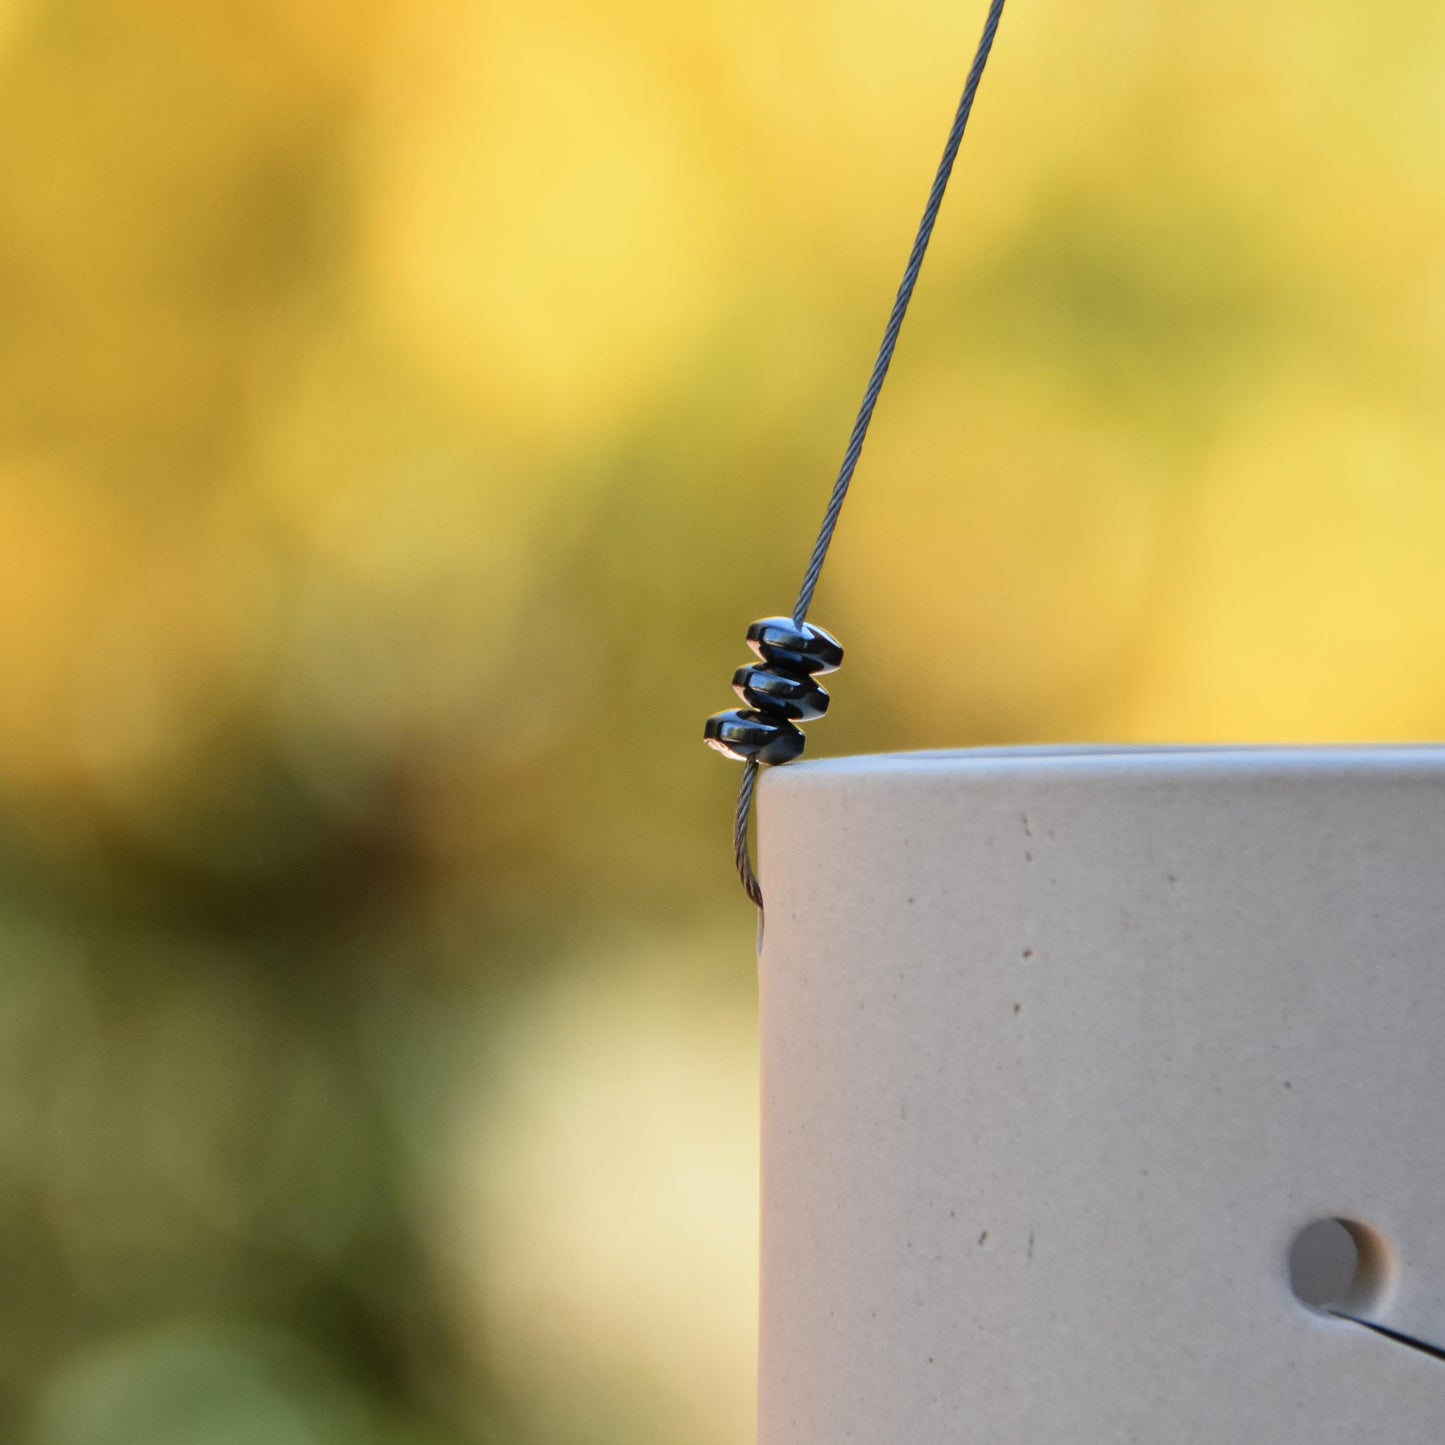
x=1062 y=1050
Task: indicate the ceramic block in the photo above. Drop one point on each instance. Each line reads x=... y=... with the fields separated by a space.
x=1062 y=1050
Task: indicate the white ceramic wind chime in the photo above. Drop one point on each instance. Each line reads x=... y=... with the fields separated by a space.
x=1103 y=1088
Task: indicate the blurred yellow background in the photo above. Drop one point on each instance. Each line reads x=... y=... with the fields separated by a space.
x=404 y=407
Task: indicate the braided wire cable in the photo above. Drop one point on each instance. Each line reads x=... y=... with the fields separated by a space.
x=741 y=854
x=864 y=419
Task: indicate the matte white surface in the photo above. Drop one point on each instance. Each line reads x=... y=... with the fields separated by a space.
x=1060 y=1051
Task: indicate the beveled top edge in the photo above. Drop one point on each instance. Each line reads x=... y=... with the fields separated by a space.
x=1136 y=759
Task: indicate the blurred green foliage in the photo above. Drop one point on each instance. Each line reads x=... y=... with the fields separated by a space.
x=404 y=405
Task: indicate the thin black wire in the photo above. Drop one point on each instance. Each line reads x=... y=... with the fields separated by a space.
x=740 y=832
x=865 y=411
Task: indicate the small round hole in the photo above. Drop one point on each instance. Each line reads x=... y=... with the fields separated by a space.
x=1338 y=1265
